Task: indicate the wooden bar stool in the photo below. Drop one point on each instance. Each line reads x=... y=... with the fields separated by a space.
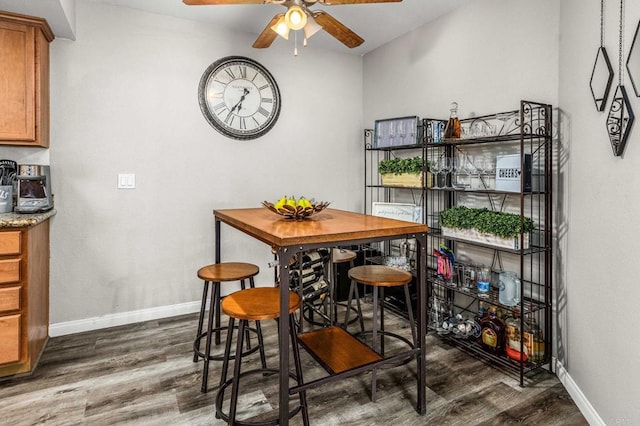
x=339 y=256
x=213 y=275
x=379 y=277
x=256 y=304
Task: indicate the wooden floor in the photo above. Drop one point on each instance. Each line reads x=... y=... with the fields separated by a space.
x=143 y=374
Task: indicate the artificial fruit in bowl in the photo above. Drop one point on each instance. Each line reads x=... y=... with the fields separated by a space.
x=290 y=207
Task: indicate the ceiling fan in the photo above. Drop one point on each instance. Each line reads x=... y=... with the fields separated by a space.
x=299 y=16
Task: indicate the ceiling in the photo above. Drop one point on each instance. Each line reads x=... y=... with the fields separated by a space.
x=376 y=23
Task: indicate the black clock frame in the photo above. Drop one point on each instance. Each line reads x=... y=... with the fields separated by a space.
x=209 y=116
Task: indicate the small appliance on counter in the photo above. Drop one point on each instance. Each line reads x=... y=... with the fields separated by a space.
x=33 y=189
x=8 y=170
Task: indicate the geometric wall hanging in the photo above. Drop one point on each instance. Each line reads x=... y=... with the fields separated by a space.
x=619 y=121
x=633 y=62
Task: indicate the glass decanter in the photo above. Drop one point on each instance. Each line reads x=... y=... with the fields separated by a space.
x=453 y=130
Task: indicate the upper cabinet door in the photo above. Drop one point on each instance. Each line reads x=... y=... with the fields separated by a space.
x=24 y=80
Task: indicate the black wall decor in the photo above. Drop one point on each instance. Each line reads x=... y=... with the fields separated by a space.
x=602 y=74
x=620 y=117
x=633 y=62
x=619 y=120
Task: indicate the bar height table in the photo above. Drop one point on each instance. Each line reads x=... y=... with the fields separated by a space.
x=329 y=228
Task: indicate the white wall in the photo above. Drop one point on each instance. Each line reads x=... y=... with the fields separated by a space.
x=124 y=99
x=486 y=56
x=604 y=231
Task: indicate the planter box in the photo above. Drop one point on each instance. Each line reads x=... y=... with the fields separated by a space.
x=405 y=180
x=489 y=239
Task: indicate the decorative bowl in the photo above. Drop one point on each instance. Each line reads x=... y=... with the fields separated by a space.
x=297 y=212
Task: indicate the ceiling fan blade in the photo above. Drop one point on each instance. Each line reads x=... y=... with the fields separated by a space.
x=213 y=2
x=337 y=29
x=267 y=35
x=338 y=2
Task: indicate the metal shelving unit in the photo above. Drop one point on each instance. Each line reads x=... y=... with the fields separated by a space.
x=524 y=132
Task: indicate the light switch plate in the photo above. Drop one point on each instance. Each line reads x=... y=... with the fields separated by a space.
x=126 y=180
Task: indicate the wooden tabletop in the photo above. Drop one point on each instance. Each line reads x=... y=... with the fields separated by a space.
x=328 y=226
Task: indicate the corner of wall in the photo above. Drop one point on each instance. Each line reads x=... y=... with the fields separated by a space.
x=583 y=404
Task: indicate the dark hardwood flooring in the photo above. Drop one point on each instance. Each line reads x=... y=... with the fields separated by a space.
x=143 y=374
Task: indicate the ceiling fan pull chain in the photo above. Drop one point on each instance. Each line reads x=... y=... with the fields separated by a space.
x=295 y=41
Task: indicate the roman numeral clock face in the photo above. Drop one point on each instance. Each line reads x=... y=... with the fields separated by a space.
x=239 y=97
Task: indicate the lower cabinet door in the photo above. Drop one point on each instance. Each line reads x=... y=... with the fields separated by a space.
x=9 y=338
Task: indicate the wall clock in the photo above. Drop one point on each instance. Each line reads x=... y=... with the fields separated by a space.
x=239 y=97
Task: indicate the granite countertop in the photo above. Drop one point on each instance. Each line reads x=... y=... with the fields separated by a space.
x=19 y=220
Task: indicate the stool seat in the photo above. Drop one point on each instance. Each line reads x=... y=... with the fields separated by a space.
x=256 y=304
x=380 y=275
x=227 y=271
x=342 y=255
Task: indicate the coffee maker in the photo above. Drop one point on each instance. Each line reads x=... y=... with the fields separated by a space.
x=33 y=189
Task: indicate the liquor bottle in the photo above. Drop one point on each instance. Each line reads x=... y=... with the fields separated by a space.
x=533 y=341
x=492 y=332
x=478 y=321
x=512 y=344
x=453 y=130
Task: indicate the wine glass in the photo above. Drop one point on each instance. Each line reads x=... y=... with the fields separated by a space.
x=487 y=171
x=490 y=169
x=463 y=179
x=474 y=172
x=482 y=164
x=476 y=129
x=436 y=168
x=392 y=133
x=401 y=132
x=412 y=131
x=447 y=168
x=506 y=127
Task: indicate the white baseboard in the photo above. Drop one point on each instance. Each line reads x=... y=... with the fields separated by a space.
x=113 y=320
x=583 y=404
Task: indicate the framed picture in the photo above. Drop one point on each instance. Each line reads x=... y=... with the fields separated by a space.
x=393 y=132
x=399 y=211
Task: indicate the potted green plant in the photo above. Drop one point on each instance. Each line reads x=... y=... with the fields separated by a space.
x=486 y=226
x=406 y=172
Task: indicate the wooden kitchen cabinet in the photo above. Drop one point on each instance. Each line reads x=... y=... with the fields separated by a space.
x=24 y=297
x=24 y=80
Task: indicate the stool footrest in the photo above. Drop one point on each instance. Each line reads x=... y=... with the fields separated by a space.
x=196 y=344
x=403 y=339
x=352 y=309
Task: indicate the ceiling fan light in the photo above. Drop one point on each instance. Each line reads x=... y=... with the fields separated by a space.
x=311 y=28
x=281 y=28
x=295 y=18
